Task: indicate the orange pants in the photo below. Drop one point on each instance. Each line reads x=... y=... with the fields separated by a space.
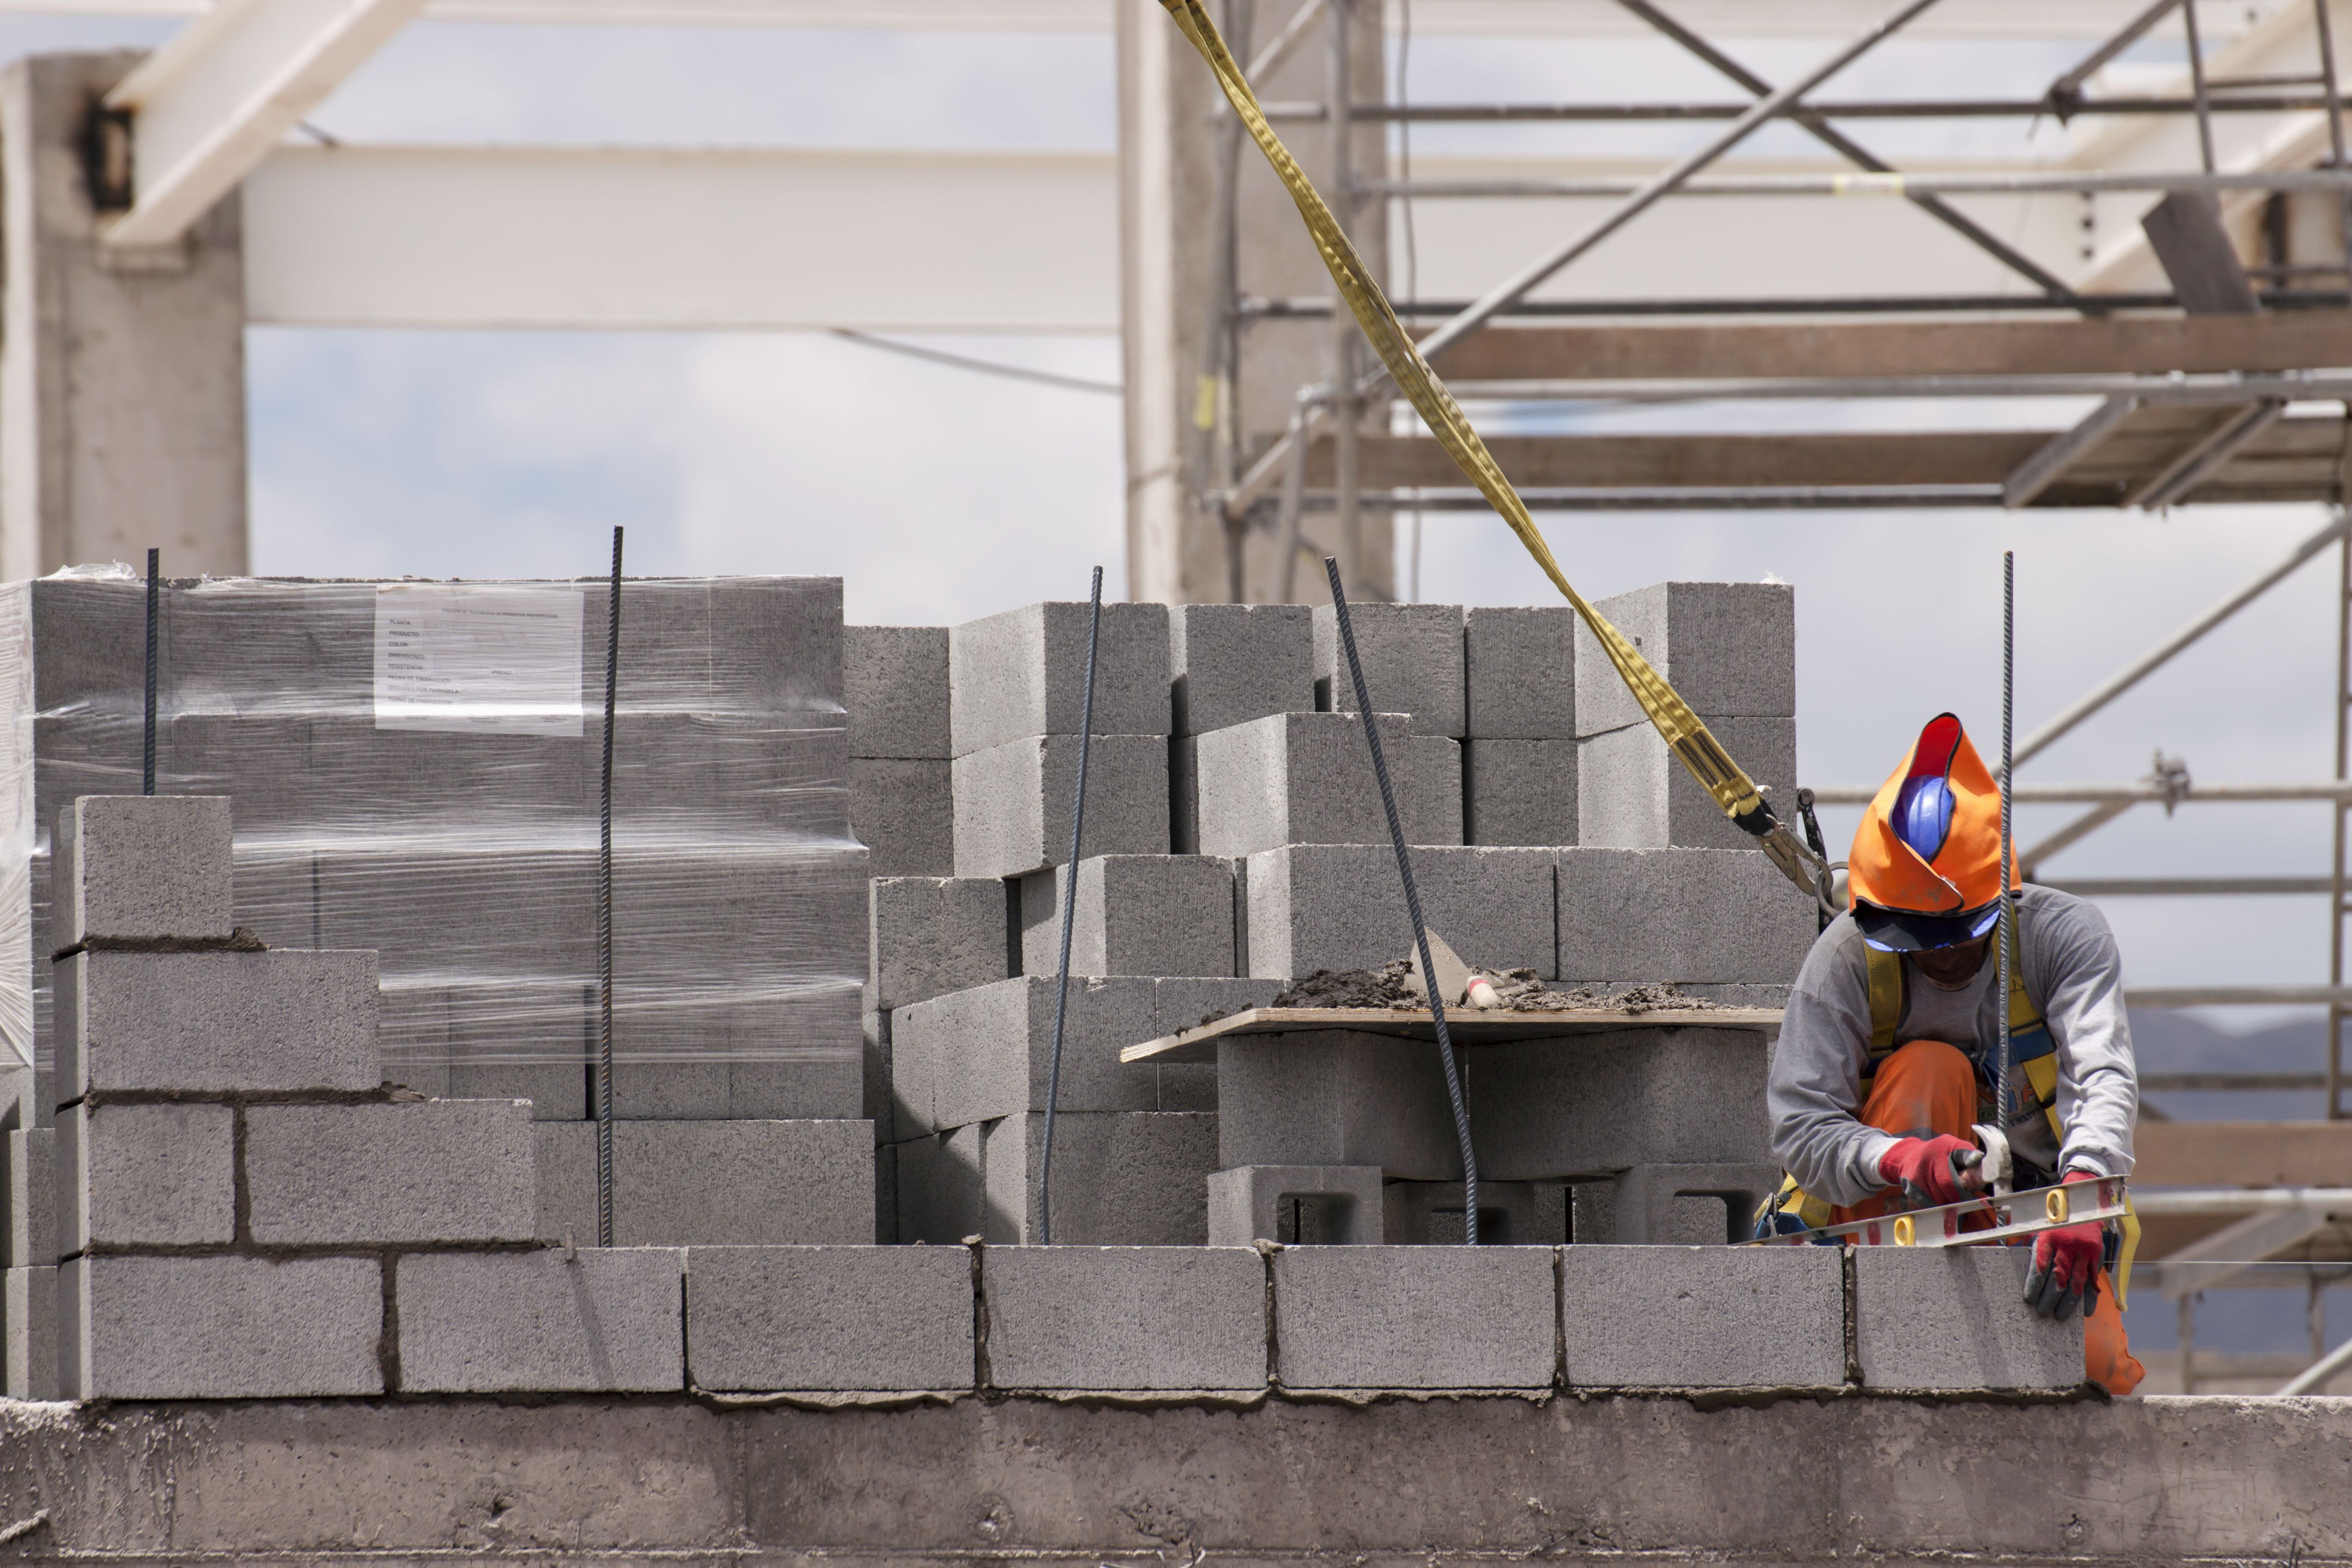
x=1927 y=1087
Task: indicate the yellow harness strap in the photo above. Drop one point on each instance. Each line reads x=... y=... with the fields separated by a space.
x=1677 y=725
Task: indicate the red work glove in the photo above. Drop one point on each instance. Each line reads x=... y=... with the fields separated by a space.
x=2066 y=1265
x=1929 y=1169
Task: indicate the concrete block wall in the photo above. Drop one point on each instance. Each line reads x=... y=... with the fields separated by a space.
x=242 y=1207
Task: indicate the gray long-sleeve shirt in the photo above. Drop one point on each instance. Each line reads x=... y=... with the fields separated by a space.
x=2071 y=970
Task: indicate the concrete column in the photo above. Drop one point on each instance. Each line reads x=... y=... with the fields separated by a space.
x=1179 y=551
x=122 y=376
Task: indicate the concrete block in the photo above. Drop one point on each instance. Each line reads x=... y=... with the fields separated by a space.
x=28 y=1318
x=1120 y=1179
x=1701 y=1205
x=1731 y=649
x=903 y=809
x=913 y=1094
x=1297 y=1205
x=886 y=1195
x=1013 y=802
x=828 y=1318
x=1423 y=1316
x=1954 y=1317
x=711 y=1184
x=1519 y=666
x=533 y=1322
x=1596 y=1104
x=220 y=1328
x=989 y=1050
x=31 y=1197
x=1232 y=663
x=1340 y=906
x=1411 y=655
x=158 y=1175
x=942 y=1196
x=1510 y=1214
x=895 y=686
x=1126 y=1317
x=930 y=935
x=557 y=1091
x=821 y=1084
x=1631 y=794
x=677 y=1090
x=1137 y=914
x=139 y=866
x=1704 y=1317
x=209 y=1022
x=1338 y=1098
x=1306 y=778
x=1024 y=673
x=416 y=1171
x=1692 y=916
x=1520 y=792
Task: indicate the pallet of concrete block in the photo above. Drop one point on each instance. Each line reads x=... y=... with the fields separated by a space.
x=417 y=771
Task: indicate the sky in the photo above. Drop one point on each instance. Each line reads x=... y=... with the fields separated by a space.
x=939 y=495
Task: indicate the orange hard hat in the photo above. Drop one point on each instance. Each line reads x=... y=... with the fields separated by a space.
x=1925 y=871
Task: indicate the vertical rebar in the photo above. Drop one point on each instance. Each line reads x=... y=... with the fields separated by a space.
x=1411 y=906
x=1069 y=918
x=2007 y=932
x=604 y=912
x=2197 y=84
x=2335 y=1012
x=147 y=730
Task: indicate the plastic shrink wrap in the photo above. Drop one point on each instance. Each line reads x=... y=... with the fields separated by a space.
x=415 y=767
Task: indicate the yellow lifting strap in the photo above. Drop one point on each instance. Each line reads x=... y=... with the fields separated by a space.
x=1680 y=728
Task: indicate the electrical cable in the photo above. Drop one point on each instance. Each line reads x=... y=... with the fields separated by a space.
x=1413 y=908
x=981 y=366
x=1069 y=919
x=605 y=915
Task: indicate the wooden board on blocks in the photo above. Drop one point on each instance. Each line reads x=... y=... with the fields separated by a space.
x=1468 y=1027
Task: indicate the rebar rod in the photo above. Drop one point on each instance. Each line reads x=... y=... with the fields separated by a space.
x=1411 y=906
x=604 y=911
x=2007 y=933
x=147 y=729
x=1069 y=918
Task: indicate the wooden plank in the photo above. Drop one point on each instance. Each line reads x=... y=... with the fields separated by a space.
x=2242 y=1154
x=2145 y=345
x=1467 y=1027
x=1680 y=462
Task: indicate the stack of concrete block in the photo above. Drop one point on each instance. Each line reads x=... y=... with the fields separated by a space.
x=1722 y=924
x=1017 y=684
x=895 y=686
x=1228 y=664
x=1730 y=649
x=467 y=859
x=1518 y=759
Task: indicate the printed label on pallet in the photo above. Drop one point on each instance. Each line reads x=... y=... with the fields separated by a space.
x=464 y=658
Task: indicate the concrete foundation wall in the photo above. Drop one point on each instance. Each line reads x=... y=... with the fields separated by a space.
x=1392 y=1484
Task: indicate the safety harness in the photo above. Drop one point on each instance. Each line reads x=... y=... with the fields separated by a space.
x=2034 y=1054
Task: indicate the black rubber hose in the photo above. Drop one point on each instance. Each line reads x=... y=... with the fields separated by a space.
x=1413 y=908
x=1069 y=915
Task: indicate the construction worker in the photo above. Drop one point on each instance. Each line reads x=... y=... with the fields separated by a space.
x=1889 y=1050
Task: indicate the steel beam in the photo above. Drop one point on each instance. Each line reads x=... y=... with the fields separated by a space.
x=210 y=105
x=2049 y=465
x=2204 y=457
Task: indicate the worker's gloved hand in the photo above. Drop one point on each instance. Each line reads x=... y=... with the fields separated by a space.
x=2066 y=1266
x=1929 y=1169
